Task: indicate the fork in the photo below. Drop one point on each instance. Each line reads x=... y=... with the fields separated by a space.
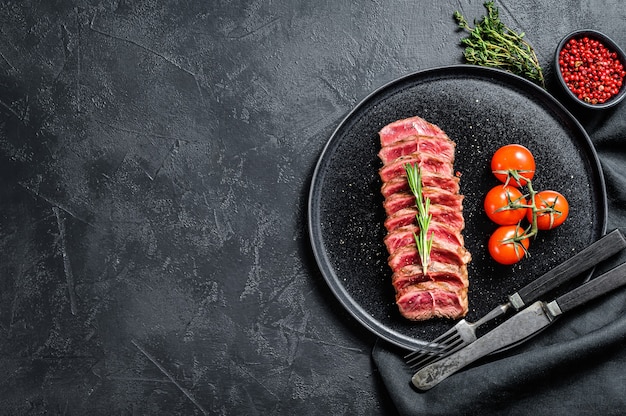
x=464 y=332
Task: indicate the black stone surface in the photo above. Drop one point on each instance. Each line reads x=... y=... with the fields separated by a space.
x=155 y=159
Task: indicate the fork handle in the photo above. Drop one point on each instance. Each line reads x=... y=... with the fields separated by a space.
x=602 y=249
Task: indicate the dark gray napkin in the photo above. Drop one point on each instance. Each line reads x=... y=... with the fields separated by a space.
x=575 y=367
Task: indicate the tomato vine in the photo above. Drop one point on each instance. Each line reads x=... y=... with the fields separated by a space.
x=544 y=210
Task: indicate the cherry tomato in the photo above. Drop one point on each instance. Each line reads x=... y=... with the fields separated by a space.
x=500 y=205
x=555 y=210
x=513 y=157
x=504 y=251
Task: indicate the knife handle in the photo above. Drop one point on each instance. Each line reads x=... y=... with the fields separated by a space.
x=602 y=249
x=594 y=288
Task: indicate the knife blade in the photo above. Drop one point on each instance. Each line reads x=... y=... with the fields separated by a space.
x=520 y=327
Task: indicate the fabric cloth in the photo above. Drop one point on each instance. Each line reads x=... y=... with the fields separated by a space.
x=575 y=367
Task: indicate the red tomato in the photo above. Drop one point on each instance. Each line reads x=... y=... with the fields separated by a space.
x=500 y=205
x=553 y=210
x=503 y=249
x=513 y=157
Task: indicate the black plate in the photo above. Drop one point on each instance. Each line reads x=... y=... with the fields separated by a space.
x=480 y=109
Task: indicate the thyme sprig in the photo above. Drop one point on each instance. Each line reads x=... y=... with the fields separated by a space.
x=422 y=240
x=491 y=43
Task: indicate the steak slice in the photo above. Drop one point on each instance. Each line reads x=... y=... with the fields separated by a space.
x=440 y=213
x=399 y=200
x=427 y=163
x=432 y=300
x=440 y=146
x=413 y=274
x=403 y=236
x=414 y=126
x=442 y=251
x=400 y=184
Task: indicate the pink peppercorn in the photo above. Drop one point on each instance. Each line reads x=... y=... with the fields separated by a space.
x=591 y=70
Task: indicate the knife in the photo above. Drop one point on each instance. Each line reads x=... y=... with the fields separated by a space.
x=519 y=328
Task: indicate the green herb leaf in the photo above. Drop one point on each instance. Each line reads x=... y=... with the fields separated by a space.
x=423 y=242
x=491 y=43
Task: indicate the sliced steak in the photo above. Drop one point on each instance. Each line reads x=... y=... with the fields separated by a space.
x=442 y=290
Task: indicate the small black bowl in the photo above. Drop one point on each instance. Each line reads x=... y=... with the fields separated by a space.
x=609 y=44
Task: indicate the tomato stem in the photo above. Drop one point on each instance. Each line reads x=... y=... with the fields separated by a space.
x=533 y=229
x=533 y=207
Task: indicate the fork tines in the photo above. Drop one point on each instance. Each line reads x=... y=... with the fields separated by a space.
x=438 y=348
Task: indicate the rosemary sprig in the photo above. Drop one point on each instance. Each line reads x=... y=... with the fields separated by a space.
x=491 y=43
x=423 y=216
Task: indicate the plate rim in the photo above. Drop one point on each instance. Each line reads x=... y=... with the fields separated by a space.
x=376 y=327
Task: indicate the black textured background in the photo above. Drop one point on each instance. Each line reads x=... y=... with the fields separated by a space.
x=155 y=159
